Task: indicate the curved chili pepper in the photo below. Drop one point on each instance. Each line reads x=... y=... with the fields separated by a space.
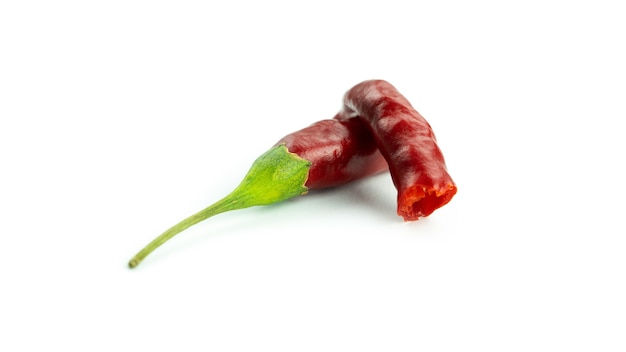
x=407 y=142
x=326 y=154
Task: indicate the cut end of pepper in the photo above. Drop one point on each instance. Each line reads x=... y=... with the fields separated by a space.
x=420 y=201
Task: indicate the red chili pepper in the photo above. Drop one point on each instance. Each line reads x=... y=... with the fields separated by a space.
x=326 y=154
x=339 y=152
x=377 y=129
x=407 y=142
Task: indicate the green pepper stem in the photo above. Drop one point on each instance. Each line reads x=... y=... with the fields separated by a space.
x=275 y=176
x=219 y=207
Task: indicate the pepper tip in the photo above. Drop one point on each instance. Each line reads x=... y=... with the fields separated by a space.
x=133 y=262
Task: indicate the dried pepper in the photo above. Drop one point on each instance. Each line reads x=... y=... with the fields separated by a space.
x=376 y=130
x=326 y=154
x=407 y=142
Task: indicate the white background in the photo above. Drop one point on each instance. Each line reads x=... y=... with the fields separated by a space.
x=120 y=118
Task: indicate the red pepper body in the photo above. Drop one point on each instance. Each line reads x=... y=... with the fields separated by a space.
x=339 y=152
x=407 y=142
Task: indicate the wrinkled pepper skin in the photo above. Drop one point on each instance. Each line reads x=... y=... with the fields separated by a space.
x=407 y=143
x=339 y=152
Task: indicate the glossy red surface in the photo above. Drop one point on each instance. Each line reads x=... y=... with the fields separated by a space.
x=339 y=152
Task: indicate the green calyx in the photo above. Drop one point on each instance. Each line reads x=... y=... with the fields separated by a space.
x=275 y=176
